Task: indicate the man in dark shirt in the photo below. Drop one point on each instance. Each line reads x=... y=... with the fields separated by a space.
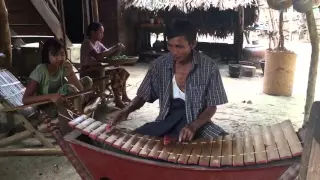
x=188 y=85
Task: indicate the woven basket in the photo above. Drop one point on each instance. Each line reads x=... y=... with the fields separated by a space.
x=130 y=60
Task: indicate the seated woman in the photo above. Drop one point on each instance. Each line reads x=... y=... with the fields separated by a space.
x=47 y=80
x=93 y=52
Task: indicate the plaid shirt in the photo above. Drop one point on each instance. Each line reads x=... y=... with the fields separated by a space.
x=204 y=88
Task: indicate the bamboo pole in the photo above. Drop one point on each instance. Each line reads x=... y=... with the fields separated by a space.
x=314 y=39
x=85 y=16
x=47 y=102
x=5 y=36
x=63 y=25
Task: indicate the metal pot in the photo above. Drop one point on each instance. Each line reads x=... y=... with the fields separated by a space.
x=302 y=6
x=254 y=54
x=234 y=70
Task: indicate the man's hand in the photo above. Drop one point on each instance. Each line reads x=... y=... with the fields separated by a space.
x=187 y=133
x=122 y=116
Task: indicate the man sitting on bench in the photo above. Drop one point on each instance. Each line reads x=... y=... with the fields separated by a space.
x=188 y=86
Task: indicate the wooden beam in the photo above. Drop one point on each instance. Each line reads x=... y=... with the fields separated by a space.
x=56 y=151
x=31 y=37
x=310 y=167
x=5 y=37
x=95 y=10
x=49 y=17
x=85 y=15
x=15 y=138
x=54 y=7
x=26 y=25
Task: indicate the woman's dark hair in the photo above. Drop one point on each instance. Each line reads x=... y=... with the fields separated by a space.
x=52 y=46
x=94 y=26
x=182 y=27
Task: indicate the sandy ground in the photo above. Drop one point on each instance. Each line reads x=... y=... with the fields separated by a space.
x=237 y=115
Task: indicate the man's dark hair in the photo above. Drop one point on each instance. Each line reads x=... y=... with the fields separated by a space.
x=94 y=26
x=182 y=27
x=52 y=46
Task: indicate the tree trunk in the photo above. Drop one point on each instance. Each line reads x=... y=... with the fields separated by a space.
x=5 y=36
x=272 y=33
x=312 y=27
x=281 y=40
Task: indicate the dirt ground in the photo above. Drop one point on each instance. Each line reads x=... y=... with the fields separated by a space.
x=247 y=107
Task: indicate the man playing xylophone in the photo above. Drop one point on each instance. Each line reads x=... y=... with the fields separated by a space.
x=189 y=88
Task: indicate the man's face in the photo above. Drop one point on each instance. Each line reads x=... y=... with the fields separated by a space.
x=180 y=48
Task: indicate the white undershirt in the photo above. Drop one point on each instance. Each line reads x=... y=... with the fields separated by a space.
x=177 y=93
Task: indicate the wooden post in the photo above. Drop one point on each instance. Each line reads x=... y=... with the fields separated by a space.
x=63 y=25
x=313 y=64
x=85 y=15
x=238 y=34
x=5 y=36
x=95 y=10
x=310 y=167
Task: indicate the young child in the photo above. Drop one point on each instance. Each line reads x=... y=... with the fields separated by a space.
x=47 y=80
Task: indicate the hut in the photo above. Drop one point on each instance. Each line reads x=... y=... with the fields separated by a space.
x=214 y=19
x=125 y=21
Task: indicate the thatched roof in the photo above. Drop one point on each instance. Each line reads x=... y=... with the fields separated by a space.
x=186 y=5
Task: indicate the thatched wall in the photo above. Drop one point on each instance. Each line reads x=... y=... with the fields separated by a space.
x=211 y=22
x=187 y=5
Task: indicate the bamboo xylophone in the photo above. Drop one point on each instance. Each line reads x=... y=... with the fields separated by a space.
x=256 y=146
